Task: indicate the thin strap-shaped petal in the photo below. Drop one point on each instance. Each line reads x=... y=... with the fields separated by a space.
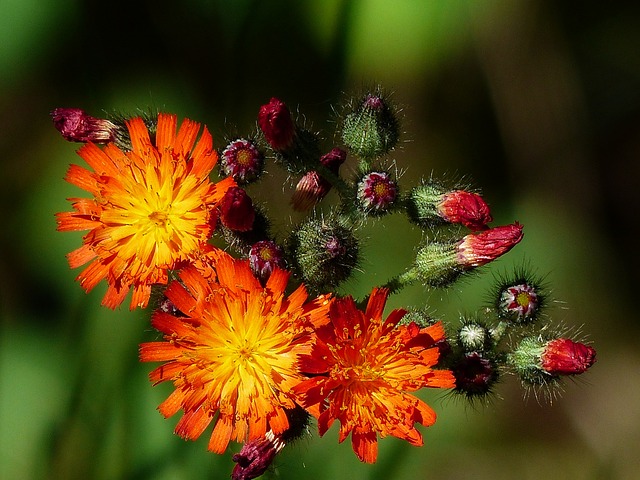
x=83 y=178
x=92 y=275
x=186 y=137
x=172 y=404
x=377 y=301
x=158 y=352
x=221 y=434
x=80 y=256
x=193 y=423
x=140 y=140
x=166 y=132
x=115 y=296
x=72 y=222
x=141 y=295
x=98 y=160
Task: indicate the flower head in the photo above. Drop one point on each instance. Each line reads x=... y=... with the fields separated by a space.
x=363 y=369
x=276 y=123
x=264 y=257
x=76 y=125
x=232 y=356
x=377 y=192
x=151 y=210
x=519 y=303
x=242 y=160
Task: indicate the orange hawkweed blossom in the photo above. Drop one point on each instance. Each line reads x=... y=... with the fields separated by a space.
x=232 y=354
x=364 y=367
x=152 y=208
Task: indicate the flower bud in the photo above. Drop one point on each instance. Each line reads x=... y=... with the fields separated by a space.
x=264 y=257
x=465 y=208
x=325 y=252
x=76 y=125
x=431 y=204
x=256 y=456
x=371 y=128
x=563 y=356
x=236 y=210
x=475 y=374
x=481 y=248
x=473 y=336
x=376 y=193
x=538 y=361
x=242 y=160
x=312 y=187
x=276 y=123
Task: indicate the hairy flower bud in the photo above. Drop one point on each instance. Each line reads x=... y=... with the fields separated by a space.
x=538 y=361
x=276 y=123
x=474 y=336
x=242 y=160
x=475 y=374
x=432 y=204
x=481 y=248
x=376 y=193
x=75 y=125
x=236 y=210
x=264 y=256
x=325 y=252
x=312 y=187
x=563 y=356
x=371 y=128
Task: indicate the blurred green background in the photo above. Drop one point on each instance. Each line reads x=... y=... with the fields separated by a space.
x=538 y=102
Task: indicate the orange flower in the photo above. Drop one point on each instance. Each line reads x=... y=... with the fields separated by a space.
x=362 y=370
x=152 y=208
x=232 y=356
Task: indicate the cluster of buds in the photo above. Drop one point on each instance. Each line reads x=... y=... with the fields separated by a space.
x=179 y=214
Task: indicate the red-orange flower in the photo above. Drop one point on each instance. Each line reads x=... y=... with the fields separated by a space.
x=233 y=355
x=152 y=208
x=364 y=367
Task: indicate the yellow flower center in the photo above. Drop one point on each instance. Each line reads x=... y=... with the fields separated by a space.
x=523 y=299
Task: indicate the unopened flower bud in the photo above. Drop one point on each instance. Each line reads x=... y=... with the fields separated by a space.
x=236 y=210
x=473 y=336
x=256 y=456
x=276 y=123
x=376 y=193
x=481 y=248
x=242 y=160
x=325 y=252
x=312 y=187
x=75 y=125
x=538 y=361
x=264 y=257
x=371 y=128
x=431 y=204
x=563 y=356
x=465 y=208
x=475 y=374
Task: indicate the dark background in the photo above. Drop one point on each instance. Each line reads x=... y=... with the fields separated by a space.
x=537 y=102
